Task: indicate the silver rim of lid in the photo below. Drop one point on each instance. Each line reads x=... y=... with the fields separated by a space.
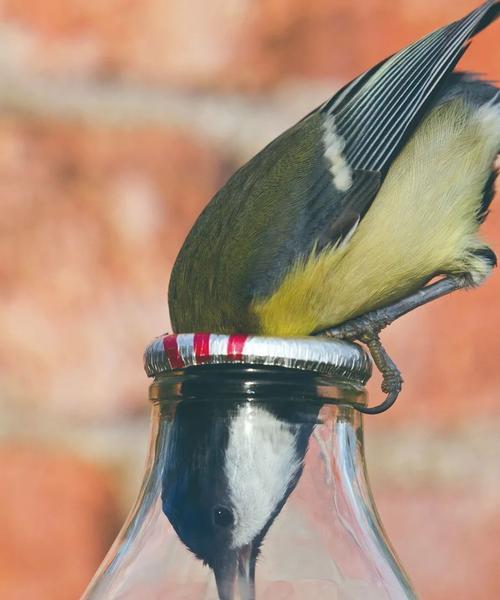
x=343 y=360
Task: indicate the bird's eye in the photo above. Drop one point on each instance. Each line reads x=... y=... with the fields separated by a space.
x=223 y=517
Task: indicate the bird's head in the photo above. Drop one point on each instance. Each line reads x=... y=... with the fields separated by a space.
x=201 y=510
x=229 y=473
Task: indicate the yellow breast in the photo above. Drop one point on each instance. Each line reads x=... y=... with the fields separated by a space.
x=422 y=222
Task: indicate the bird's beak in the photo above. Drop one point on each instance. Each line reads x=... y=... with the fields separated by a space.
x=246 y=573
x=234 y=575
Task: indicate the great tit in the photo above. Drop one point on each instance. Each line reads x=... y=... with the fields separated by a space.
x=230 y=468
x=339 y=225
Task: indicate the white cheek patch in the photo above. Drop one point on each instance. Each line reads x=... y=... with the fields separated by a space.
x=334 y=146
x=261 y=462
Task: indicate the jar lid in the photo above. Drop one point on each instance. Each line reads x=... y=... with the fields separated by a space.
x=343 y=360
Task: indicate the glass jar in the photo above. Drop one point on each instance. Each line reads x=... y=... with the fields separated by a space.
x=255 y=484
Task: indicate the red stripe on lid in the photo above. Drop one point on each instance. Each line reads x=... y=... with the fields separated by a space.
x=201 y=347
x=235 y=345
x=172 y=350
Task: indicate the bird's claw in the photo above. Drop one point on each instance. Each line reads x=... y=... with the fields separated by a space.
x=392 y=382
x=364 y=328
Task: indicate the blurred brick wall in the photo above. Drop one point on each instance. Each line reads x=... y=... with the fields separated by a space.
x=118 y=121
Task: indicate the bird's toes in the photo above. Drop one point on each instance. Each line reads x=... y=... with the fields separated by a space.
x=392 y=382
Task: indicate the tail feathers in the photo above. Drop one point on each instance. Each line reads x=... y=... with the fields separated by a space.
x=377 y=110
x=491 y=15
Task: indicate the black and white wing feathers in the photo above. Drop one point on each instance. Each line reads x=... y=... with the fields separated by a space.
x=374 y=113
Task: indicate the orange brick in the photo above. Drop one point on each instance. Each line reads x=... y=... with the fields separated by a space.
x=225 y=43
x=91 y=222
x=447 y=539
x=58 y=517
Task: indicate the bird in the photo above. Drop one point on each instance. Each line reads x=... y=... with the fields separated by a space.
x=229 y=470
x=367 y=208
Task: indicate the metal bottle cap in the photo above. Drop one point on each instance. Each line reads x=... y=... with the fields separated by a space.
x=343 y=360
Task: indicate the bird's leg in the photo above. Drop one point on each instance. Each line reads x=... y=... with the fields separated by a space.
x=391 y=376
x=374 y=321
x=366 y=328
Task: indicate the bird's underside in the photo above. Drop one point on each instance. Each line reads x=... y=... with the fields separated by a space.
x=449 y=224
x=356 y=288
x=338 y=226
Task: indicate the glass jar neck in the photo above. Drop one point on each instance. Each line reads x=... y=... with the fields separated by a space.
x=240 y=460
x=236 y=383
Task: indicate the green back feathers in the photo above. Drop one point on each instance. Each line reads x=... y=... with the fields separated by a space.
x=244 y=241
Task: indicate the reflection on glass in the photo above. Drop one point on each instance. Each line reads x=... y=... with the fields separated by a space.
x=255 y=488
x=229 y=473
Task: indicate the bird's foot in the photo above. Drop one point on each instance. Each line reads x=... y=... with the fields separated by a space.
x=392 y=381
x=363 y=328
x=366 y=329
x=371 y=324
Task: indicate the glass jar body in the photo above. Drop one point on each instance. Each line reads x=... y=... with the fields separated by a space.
x=253 y=489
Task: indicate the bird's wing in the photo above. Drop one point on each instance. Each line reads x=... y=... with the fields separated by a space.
x=361 y=129
x=374 y=113
x=311 y=186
